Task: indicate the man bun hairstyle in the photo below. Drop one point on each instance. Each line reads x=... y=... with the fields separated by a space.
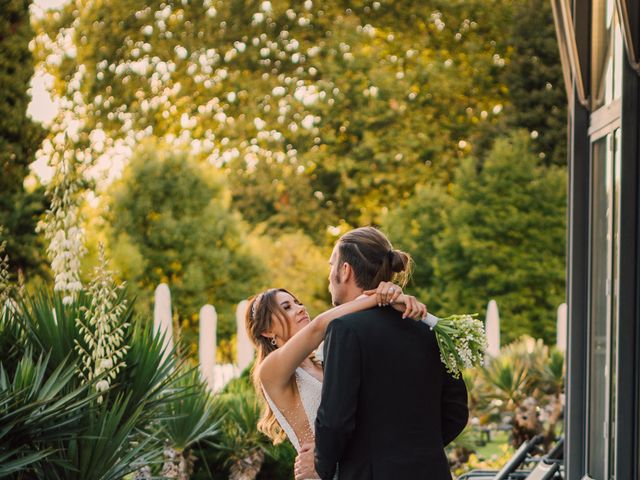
x=373 y=258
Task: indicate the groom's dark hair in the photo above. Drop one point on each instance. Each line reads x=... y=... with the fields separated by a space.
x=373 y=258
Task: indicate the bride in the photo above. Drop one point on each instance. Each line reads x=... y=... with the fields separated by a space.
x=285 y=371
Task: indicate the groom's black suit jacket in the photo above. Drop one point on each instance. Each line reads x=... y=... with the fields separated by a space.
x=388 y=405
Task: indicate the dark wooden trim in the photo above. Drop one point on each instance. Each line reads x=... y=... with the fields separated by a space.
x=628 y=280
x=578 y=260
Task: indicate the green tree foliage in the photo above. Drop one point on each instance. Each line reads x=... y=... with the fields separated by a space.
x=534 y=79
x=414 y=228
x=294 y=262
x=498 y=234
x=170 y=221
x=505 y=239
x=318 y=111
x=19 y=139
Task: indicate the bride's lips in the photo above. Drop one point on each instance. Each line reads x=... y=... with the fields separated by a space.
x=303 y=318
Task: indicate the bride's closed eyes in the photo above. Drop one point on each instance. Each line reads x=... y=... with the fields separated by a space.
x=286 y=305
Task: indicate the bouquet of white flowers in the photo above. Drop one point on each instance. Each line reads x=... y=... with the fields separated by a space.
x=461 y=339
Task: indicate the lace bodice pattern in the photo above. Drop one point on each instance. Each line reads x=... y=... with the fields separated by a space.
x=310 y=389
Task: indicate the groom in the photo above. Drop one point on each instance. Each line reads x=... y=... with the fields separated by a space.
x=388 y=405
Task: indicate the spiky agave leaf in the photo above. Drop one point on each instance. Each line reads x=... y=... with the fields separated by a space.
x=38 y=410
x=110 y=445
x=191 y=413
x=240 y=437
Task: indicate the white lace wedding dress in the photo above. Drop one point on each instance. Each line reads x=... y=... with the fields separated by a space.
x=310 y=390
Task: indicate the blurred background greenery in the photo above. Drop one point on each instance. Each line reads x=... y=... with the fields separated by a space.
x=222 y=147
x=232 y=142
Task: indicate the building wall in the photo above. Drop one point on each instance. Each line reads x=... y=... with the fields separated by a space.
x=603 y=371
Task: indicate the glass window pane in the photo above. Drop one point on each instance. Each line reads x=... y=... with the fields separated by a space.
x=599 y=308
x=606 y=54
x=613 y=334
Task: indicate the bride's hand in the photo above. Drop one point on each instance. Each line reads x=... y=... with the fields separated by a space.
x=386 y=293
x=411 y=307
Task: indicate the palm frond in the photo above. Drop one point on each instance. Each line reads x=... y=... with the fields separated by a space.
x=191 y=415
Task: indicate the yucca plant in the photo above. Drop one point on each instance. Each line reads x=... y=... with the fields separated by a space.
x=505 y=379
x=524 y=383
x=110 y=444
x=553 y=373
x=39 y=410
x=191 y=417
x=243 y=446
x=118 y=434
x=11 y=344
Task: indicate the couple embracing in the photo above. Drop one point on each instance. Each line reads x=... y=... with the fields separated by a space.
x=381 y=405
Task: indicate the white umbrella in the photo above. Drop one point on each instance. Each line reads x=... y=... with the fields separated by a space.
x=244 y=347
x=207 y=345
x=162 y=319
x=492 y=328
x=561 y=328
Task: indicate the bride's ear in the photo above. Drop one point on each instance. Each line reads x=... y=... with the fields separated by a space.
x=268 y=334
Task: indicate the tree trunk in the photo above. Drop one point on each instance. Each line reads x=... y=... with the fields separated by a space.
x=177 y=464
x=143 y=473
x=248 y=467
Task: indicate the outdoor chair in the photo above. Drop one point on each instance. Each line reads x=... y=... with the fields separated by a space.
x=545 y=470
x=516 y=460
x=547 y=467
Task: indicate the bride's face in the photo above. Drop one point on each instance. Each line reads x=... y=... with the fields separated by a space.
x=295 y=314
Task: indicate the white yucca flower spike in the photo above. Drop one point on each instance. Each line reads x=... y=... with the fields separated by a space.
x=61 y=226
x=102 y=328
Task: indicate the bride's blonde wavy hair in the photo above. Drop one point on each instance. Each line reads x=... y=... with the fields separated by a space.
x=261 y=311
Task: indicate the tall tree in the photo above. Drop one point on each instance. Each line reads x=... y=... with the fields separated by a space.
x=415 y=228
x=537 y=98
x=497 y=232
x=505 y=239
x=318 y=111
x=20 y=137
x=170 y=221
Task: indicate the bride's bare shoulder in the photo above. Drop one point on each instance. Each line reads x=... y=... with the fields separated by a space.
x=271 y=377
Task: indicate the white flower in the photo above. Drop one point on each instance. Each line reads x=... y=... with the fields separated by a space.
x=102 y=327
x=230 y=54
x=308 y=122
x=181 y=52
x=106 y=364
x=102 y=385
x=266 y=6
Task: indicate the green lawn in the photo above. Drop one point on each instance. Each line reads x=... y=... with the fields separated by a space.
x=494 y=447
